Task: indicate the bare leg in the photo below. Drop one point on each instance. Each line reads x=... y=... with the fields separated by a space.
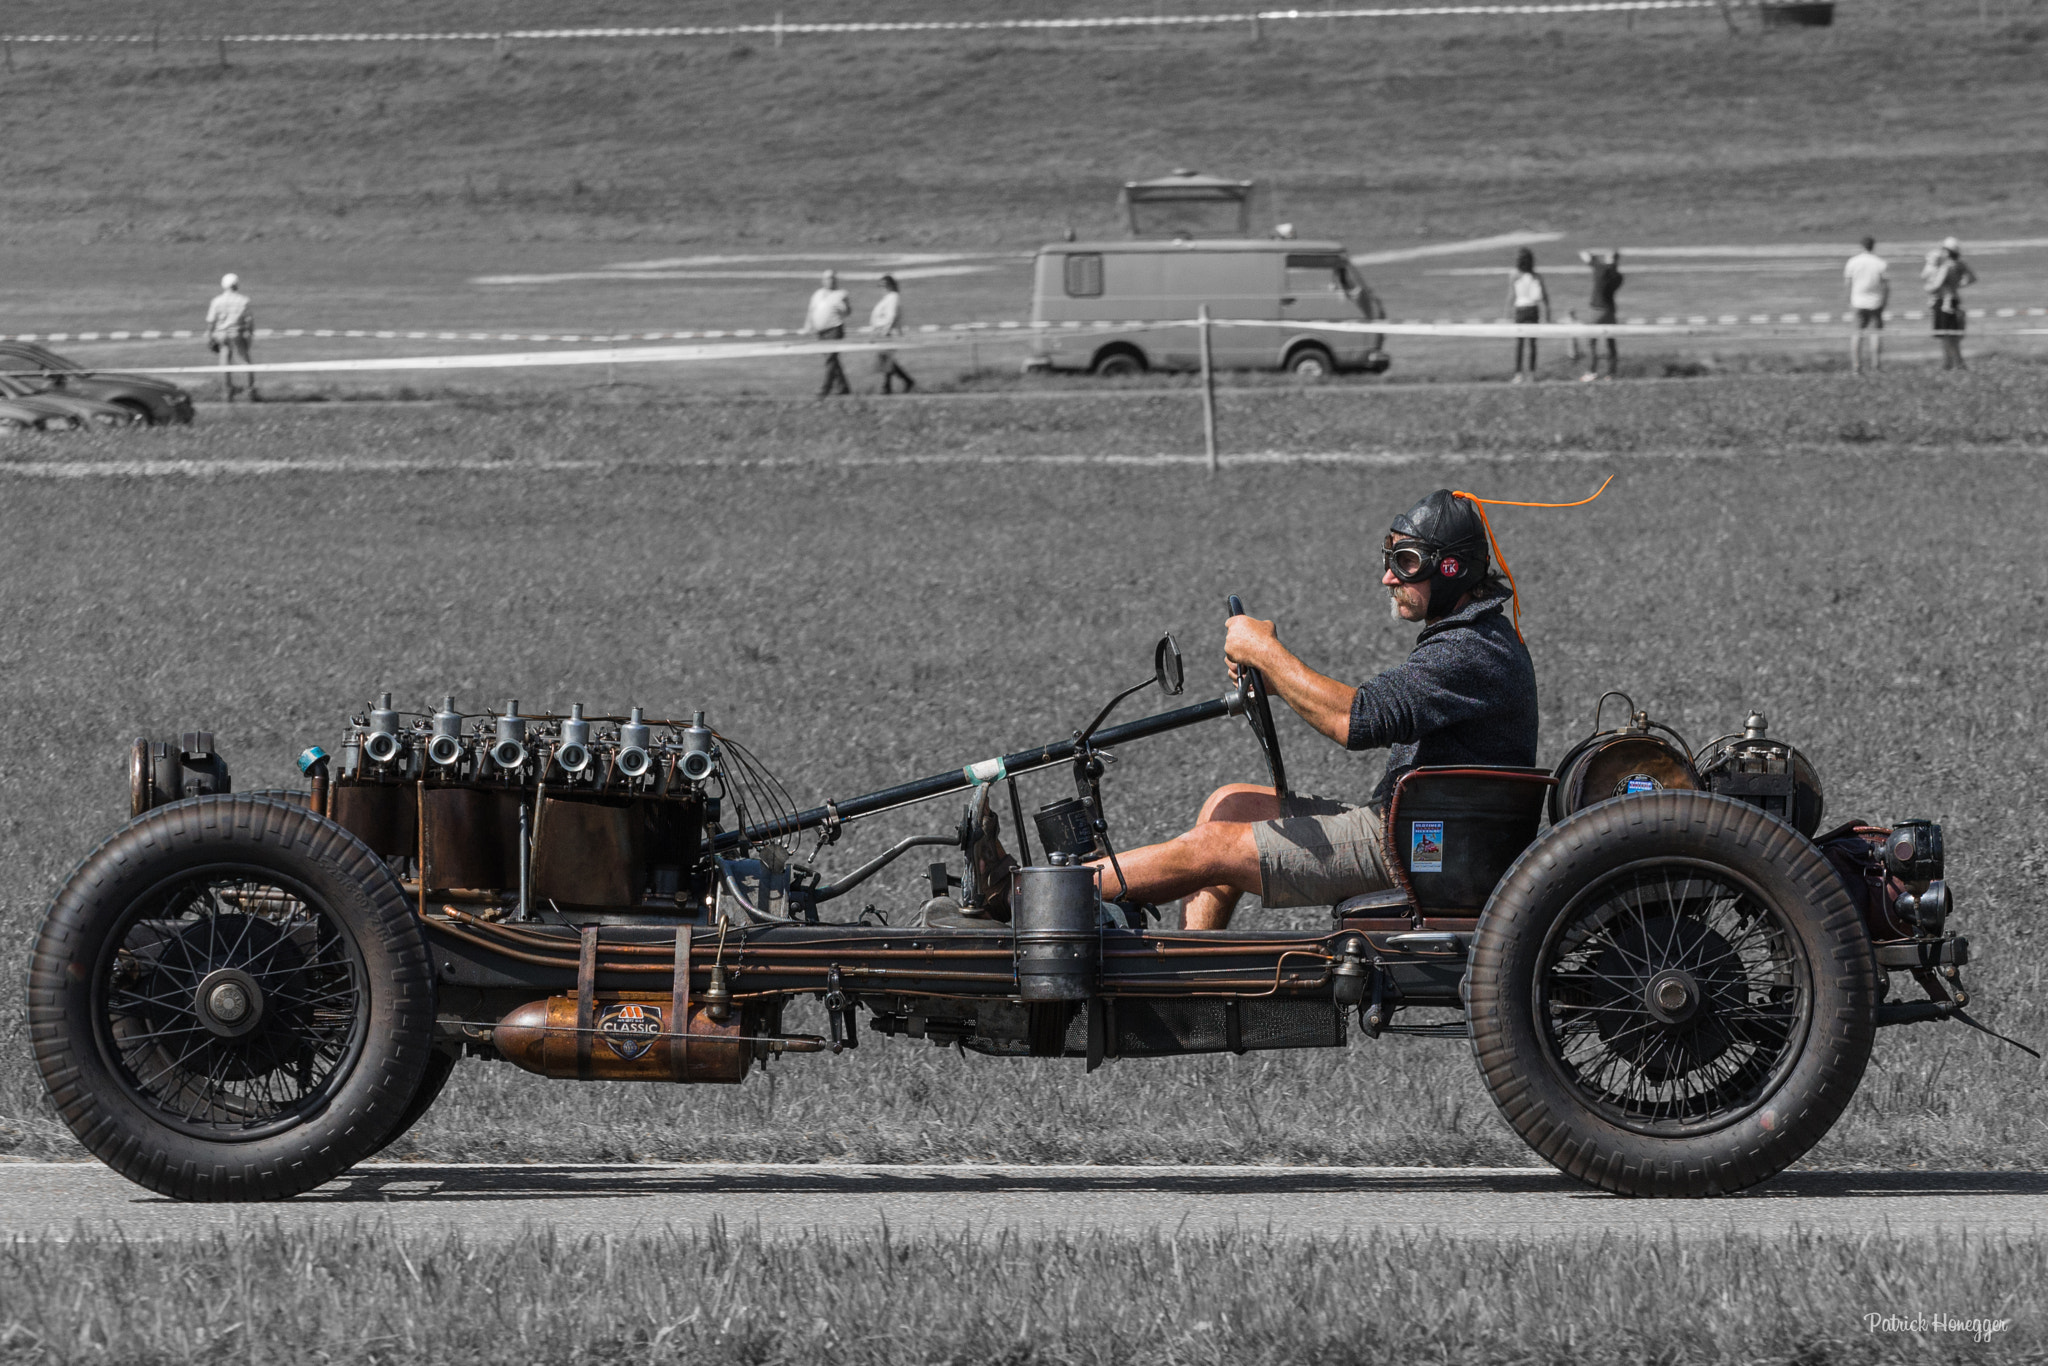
x=1212 y=865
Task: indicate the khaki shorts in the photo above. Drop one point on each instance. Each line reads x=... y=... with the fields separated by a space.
x=1320 y=852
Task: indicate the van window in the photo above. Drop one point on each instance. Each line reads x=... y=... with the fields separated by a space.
x=1320 y=275
x=1084 y=275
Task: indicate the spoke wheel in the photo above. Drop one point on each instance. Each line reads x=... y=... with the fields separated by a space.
x=1673 y=997
x=231 y=1000
x=1672 y=994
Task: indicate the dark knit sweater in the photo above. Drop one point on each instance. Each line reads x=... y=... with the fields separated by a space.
x=1466 y=695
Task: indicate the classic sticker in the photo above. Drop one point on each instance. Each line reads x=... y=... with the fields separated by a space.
x=628 y=1028
x=1426 y=847
x=1639 y=782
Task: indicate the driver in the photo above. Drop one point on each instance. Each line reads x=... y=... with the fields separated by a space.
x=1465 y=695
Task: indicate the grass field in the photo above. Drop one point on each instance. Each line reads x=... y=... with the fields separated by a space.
x=1905 y=114
x=1855 y=559
x=366 y=1295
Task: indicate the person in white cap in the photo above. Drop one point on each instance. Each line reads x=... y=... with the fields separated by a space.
x=825 y=319
x=1944 y=278
x=230 y=327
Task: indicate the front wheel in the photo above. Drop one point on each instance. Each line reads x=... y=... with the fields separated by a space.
x=1672 y=995
x=231 y=1000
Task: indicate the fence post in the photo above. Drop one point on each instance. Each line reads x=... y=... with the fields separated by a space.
x=778 y=30
x=1208 y=392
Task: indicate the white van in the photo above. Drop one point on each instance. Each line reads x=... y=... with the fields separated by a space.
x=1287 y=281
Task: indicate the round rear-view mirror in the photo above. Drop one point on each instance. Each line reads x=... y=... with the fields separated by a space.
x=1166 y=666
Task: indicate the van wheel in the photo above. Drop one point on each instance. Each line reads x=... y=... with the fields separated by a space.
x=1311 y=363
x=1119 y=364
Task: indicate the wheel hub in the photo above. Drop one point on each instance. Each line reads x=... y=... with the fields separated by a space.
x=229 y=1003
x=1673 y=997
x=1658 y=984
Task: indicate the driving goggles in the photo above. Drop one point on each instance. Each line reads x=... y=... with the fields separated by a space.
x=1410 y=561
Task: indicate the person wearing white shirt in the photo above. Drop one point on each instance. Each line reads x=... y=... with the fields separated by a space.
x=826 y=320
x=887 y=321
x=1528 y=302
x=230 y=327
x=1870 y=289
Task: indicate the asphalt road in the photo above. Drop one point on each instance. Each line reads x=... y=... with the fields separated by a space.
x=490 y=1201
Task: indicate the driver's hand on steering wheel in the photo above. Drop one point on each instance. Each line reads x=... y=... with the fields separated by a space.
x=1247 y=640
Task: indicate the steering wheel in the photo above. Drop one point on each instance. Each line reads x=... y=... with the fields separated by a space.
x=1258 y=710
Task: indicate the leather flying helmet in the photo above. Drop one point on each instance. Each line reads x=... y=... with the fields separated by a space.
x=1442 y=539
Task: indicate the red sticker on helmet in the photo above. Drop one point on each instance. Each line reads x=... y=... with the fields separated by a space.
x=1450 y=566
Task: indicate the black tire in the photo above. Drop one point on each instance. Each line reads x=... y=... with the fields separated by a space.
x=143 y=416
x=1311 y=364
x=166 y=1075
x=440 y=1067
x=1672 y=995
x=1119 y=363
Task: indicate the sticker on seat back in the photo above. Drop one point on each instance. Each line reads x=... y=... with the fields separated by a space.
x=1426 y=847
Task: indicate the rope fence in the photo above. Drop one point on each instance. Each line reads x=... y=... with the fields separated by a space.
x=1449 y=327
x=778 y=29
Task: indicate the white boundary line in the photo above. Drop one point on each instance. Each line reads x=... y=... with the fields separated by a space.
x=61 y=470
x=778 y=29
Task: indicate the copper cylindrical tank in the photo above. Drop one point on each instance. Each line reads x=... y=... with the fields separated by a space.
x=631 y=1039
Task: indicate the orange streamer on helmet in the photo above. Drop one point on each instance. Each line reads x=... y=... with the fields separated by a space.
x=1479 y=506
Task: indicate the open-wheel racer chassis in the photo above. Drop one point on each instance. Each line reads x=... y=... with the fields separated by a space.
x=1672 y=989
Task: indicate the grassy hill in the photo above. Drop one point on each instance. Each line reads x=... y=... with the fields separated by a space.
x=1903 y=113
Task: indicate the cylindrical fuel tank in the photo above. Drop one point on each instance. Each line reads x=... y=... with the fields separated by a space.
x=631 y=1039
x=1059 y=936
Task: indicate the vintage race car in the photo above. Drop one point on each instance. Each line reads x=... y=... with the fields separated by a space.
x=1671 y=986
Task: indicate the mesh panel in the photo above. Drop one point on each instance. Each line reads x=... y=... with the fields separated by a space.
x=1292 y=1024
x=1141 y=1028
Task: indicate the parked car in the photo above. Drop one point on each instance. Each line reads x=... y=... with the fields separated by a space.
x=35 y=391
x=16 y=418
x=1289 y=282
x=153 y=400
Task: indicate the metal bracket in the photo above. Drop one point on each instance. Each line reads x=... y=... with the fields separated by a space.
x=586 y=999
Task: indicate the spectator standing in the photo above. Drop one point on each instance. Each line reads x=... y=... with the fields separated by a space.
x=1945 y=276
x=1607 y=281
x=1870 y=289
x=1528 y=302
x=230 y=327
x=887 y=321
x=826 y=321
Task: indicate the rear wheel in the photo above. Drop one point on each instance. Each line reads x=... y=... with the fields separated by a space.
x=1121 y=363
x=1311 y=363
x=1672 y=995
x=231 y=1000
